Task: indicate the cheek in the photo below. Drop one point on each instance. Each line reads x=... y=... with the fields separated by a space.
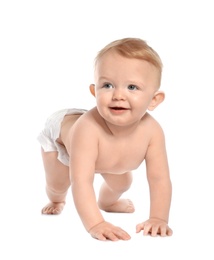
x=100 y=100
x=102 y=97
x=141 y=102
x=138 y=100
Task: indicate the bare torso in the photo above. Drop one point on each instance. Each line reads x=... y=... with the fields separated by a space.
x=115 y=155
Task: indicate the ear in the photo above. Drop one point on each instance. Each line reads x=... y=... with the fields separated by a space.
x=158 y=97
x=92 y=89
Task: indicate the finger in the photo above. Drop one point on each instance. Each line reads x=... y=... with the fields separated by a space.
x=120 y=234
x=169 y=232
x=123 y=235
x=112 y=236
x=99 y=236
x=147 y=229
x=154 y=231
x=139 y=227
x=163 y=231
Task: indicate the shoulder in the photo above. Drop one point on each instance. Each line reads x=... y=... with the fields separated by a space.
x=88 y=121
x=83 y=135
x=154 y=131
x=151 y=124
x=88 y=126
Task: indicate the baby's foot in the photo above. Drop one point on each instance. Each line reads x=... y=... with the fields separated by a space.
x=53 y=208
x=120 y=206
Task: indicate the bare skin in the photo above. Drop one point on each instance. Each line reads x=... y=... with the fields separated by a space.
x=56 y=188
x=120 y=206
x=57 y=195
x=58 y=183
x=53 y=208
x=113 y=139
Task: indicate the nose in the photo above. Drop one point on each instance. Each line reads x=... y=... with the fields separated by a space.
x=118 y=94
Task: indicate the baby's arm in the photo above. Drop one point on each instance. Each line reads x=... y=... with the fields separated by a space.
x=83 y=151
x=160 y=187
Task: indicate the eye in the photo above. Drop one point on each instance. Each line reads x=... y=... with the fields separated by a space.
x=132 y=87
x=107 y=86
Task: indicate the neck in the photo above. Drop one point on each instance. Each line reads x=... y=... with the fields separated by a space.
x=121 y=131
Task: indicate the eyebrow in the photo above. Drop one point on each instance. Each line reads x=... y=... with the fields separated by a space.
x=130 y=81
x=103 y=78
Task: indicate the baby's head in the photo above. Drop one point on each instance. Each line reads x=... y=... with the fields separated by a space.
x=127 y=78
x=133 y=48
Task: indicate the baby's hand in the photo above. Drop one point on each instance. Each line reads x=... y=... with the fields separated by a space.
x=154 y=227
x=105 y=230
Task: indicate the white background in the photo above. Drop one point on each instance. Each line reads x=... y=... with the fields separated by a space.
x=47 y=49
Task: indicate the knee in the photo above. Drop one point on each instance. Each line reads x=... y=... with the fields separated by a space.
x=121 y=183
x=124 y=185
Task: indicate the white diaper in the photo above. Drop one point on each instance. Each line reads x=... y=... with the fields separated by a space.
x=47 y=138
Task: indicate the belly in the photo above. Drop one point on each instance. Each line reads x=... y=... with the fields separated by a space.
x=117 y=168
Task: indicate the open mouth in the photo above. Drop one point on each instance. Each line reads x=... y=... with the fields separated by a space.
x=118 y=108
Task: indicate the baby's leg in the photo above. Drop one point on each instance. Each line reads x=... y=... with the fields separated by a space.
x=57 y=182
x=111 y=190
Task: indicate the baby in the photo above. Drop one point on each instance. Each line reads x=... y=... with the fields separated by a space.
x=111 y=139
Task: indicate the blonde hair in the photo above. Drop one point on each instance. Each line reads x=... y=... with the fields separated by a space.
x=133 y=48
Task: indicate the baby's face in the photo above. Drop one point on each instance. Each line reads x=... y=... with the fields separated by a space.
x=124 y=88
